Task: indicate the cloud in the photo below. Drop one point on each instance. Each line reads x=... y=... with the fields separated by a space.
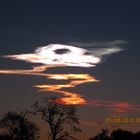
x=55 y=55
x=65 y=55
x=69 y=97
x=115 y=106
x=101 y=44
x=101 y=49
x=75 y=79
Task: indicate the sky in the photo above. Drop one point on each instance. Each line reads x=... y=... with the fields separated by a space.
x=90 y=25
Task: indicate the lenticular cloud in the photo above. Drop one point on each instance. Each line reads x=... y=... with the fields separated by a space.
x=65 y=55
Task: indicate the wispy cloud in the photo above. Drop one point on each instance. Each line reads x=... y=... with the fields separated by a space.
x=102 y=48
x=116 y=106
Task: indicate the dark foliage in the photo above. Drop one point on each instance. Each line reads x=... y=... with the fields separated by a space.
x=16 y=126
x=103 y=135
x=137 y=136
x=121 y=135
x=4 y=137
x=118 y=134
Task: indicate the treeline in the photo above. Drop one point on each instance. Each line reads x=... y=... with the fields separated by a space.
x=118 y=134
x=62 y=121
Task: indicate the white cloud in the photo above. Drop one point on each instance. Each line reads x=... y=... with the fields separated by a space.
x=67 y=55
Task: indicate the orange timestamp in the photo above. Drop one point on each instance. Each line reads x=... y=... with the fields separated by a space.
x=124 y=120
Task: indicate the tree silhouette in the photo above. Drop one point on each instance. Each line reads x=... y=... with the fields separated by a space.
x=61 y=119
x=103 y=135
x=17 y=127
x=4 y=137
x=120 y=134
x=137 y=136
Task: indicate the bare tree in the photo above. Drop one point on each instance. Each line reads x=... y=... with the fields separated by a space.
x=18 y=127
x=61 y=119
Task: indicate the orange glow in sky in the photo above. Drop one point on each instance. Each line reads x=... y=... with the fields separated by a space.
x=75 y=79
x=69 y=97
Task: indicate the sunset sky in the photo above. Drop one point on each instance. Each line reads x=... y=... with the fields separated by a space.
x=107 y=86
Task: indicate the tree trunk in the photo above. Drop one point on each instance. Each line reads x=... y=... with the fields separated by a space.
x=54 y=137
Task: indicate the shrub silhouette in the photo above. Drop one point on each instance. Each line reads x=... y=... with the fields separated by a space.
x=17 y=127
